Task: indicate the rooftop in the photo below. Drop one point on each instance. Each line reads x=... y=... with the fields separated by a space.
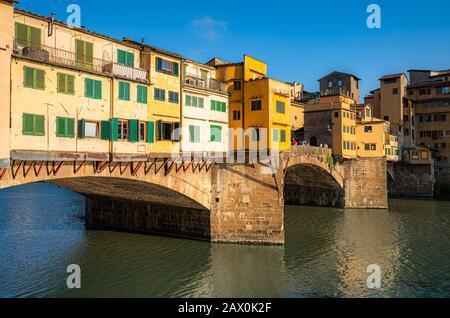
x=340 y=73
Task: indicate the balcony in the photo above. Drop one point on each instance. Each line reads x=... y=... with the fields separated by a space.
x=51 y=55
x=417 y=157
x=212 y=84
x=335 y=91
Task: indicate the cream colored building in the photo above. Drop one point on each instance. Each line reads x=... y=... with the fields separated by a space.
x=205 y=110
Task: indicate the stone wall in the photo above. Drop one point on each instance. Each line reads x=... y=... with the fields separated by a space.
x=366 y=183
x=410 y=180
x=145 y=217
x=247 y=205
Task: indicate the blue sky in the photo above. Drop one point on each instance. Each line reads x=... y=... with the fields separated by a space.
x=300 y=40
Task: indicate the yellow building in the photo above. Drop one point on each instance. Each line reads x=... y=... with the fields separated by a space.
x=259 y=106
x=332 y=123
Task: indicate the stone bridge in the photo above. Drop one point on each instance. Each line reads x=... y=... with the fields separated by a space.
x=205 y=198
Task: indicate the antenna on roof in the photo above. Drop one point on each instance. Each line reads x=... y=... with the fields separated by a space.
x=142 y=40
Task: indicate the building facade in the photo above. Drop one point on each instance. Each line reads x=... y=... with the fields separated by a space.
x=205 y=106
x=338 y=83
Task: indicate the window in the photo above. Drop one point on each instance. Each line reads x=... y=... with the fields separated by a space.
x=340 y=83
x=167 y=67
x=218 y=106
x=425 y=118
x=34 y=78
x=160 y=94
x=124 y=91
x=167 y=131
x=237 y=85
x=330 y=84
x=370 y=147
x=125 y=58
x=368 y=113
x=33 y=125
x=66 y=84
x=357 y=83
x=27 y=35
x=275 y=135
x=386 y=118
x=336 y=114
x=256 y=105
x=368 y=129
x=282 y=135
x=173 y=97
x=92 y=88
x=143 y=131
x=194 y=134
x=123 y=130
x=88 y=129
x=439 y=91
x=84 y=54
x=395 y=91
x=142 y=94
x=194 y=101
x=216 y=133
x=406 y=132
x=236 y=115
x=65 y=127
x=256 y=134
x=280 y=107
x=405 y=118
x=440 y=117
x=424 y=91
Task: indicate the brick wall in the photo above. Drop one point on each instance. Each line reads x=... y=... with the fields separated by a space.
x=411 y=180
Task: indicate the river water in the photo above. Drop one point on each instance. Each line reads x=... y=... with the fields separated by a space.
x=326 y=254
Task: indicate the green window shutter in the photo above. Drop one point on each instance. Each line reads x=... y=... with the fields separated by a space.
x=133 y=125
x=283 y=136
x=60 y=127
x=224 y=107
x=175 y=69
x=194 y=101
x=188 y=100
x=28 y=75
x=35 y=37
x=130 y=59
x=124 y=91
x=121 y=57
x=40 y=79
x=201 y=102
x=114 y=129
x=213 y=105
x=88 y=53
x=39 y=123
x=70 y=84
x=28 y=124
x=70 y=127
x=150 y=132
x=88 y=88
x=78 y=51
x=105 y=127
x=21 y=34
x=98 y=89
x=158 y=64
x=61 y=83
x=81 y=128
x=142 y=93
x=216 y=133
x=192 y=134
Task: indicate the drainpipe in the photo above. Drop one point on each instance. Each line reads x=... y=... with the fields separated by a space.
x=111 y=115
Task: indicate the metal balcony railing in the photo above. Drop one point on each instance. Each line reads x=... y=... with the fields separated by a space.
x=46 y=54
x=212 y=84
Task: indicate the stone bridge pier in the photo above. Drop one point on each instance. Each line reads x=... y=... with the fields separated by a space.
x=217 y=202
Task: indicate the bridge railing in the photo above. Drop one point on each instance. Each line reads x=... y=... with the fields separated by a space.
x=310 y=150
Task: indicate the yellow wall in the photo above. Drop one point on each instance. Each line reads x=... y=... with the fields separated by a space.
x=254 y=69
x=6 y=34
x=297 y=116
x=163 y=110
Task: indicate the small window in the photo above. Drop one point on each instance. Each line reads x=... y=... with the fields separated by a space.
x=194 y=134
x=34 y=78
x=280 y=107
x=125 y=58
x=167 y=67
x=65 y=127
x=92 y=88
x=33 y=125
x=142 y=94
x=143 y=131
x=336 y=114
x=340 y=83
x=91 y=129
x=275 y=135
x=216 y=133
x=27 y=35
x=237 y=85
x=160 y=94
x=236 y=115
x=330 y=84
x=66 y=84
x=123 y=130
x=256 y=105
x=386 y=118
x=368 y=129
x=395 y=91
x=173 y=97
x=124 y=91
x=282 y=135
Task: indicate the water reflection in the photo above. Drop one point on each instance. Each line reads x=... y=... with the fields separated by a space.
x=326 y=254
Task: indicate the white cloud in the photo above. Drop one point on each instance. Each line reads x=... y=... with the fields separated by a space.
x=207 y=28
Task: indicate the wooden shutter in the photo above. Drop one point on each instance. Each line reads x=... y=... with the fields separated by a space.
x=114 y=129
x=35 y=37
x=150 y=132
x=175 y=69
x=201 y=102
x=159 y=130
x=71 y=84
x=27 y=124
x=60 y=127
x=105 y=127
x=70 y=127
x=40 y=79
x=21 y=34
x=159 y=64
x=61 y=87
x=88 y=53
x=39 y=122
x=88 y=88
x=79 y=52
x=81 y=128
x=188 y=100
x=130 y=59
x=133 y=125
x=28 y=75
x=121 y=59
x=98 y=89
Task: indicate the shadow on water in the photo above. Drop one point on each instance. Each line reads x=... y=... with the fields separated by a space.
x=326 y=254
